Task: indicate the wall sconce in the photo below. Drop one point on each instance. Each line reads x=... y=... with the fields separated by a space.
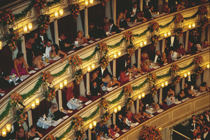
x=56 y=14
x=65 y=83
x=185 y=75
x=162 y=85
x=141 y=44
x=4 y=132
x=88 y=68
x=0 y=45
x=94 y=123
x=8 y=127
x=37 y=101
x=145 y=42
x=189 y=26
x=33 y=105
x=188 y=73
x=115 y=55
x=91 y=126
x=25 y=29
x=169 y=33
x=206 y=66
x=166 y=83
x=193 y=25
x=86 y=2
x=165 y=34
x=115 y=110
x=61 y=12
x=30 y=26
x=61 y=85
x=119 y=53
x=143 y=95
x=119 y=107
x=160 y=128
x=93 y=66
x=139 y=97
x=91 y=1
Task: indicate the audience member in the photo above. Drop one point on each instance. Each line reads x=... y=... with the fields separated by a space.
x=106 y=24
x=100 y=135
x=53 y=112
x=18 y=69
x=140 y=17
x=123 y=77
x=169 y=57
x=125 y=13
x=203 y=87
x=42 y=39
x=194 y=49
x=192 y=123
x=120 y=19
x=29 y=50
x=135 y=70
x=166 y=9
x=80 y=38
x=198 y=137
x=113 y=130
x=21 y=134
x=205 y=44
x=163 y=59
x=145 y=65
x=181 y=50
x=155 y=106
x=37 y=62
x=33 y=133
x=5 y=81
x=55 y=51
x=201 y=120
x=181 y=95
x=157 y=57
x=125 y=22
x=95 y=89
x=206 y=116
x=121 y=122
x=106 y=80
x=48 y=48
x=103 y=72
x=94 y=77
x=134 y=10
x=101 y=127
x=148 y=11
x=197 y=130
x=36 y=45
x=129 y=115
x=142 y=109
x=144 y=55
x=113 y=82
x=205 y=134
x=188 y=91
x=96 y=32
x=190 y=44
x=170 y=92
x=180 y=6
x=112 y=27
x=63 y=45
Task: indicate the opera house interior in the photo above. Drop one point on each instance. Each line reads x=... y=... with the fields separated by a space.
x=104 y=70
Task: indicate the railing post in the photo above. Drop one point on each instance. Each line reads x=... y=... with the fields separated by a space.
x=60 y=99
x=88 y=83
x=137 y=106
x=114 y=11
x=186 y=41
x=30 y=121
x=141 y=5
x=89 y=134
x=114 y=67
x=86 y=22
x=139 y=57
x=163 y=45
x=183 y=81
x=56 y=31
x=208 y=32
x=23 y=45
x=161 y=96
x=114 y=118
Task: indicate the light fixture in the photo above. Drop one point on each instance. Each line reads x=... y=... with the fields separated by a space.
x=8 y=127
x=94 y=123
x=139 y=97
x=145 y=42
x=61 y=85
x=115 y=55
x=166 y=83
x=91 y=1
x=162 y=85
x=206 y=66
x=141 y=44
x=115 y=110
x=56 y=14
x=4 y=132
x=88 y=68
x=165 y=34
x=193 y=25
x=119 y=53
x=143 y=95
x=185 y=75
x=33 y=105
x=160 y=128
x=37 y=101
x=91 y=126
x=65 y=83
x=30 y=26
x=93 y=66
x=189 y=26
x=86 y=2
x=119 y=107
x=61 y=12
x=0 y=45
x=188 y=73
x=25 y=29
x=169 y=33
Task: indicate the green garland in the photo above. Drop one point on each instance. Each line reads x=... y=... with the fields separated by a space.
x=62 y=71
x=142 y=34
x=53 y=3
x=167 y=24
x=117 y=44
x=186 y=67
x=141 y=85
x=66 y=132
x=89 y=57
x=193 y=16
x=91 y=115
x=117 y=99
x=23 y=13
x=5 y=112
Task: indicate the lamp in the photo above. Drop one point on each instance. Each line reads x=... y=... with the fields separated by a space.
x=4 y=132
x=206 y=66
x=119 y=107
x=37 y=101
x=33 y=105
x=65 y=83
x=8 y=127
x=169 y=33
x=25 y=29
x=93 y=66
x=91 y=126
x=91 y=1
x=139 y=96
x=119 y=53
x=188 y=73
x=61 y=12
x=115 y=55
x=185 y=75
x=143 y=95
x=166 y=83
x=165 y=34
x=61 y=85
x=88 y=68
x=94 y=123
x=56 y=14
x=160 y=128
x=141 y=44
x=162 y=85
x=115 y=110
x=30 y=26
x=193 y=25
x=145 y=42
x=0 y=45
x=189 y=26
x=86 y=2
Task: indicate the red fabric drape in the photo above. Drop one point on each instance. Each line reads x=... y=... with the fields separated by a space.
x=68 y=26
x=6 y=62
x=96 y=14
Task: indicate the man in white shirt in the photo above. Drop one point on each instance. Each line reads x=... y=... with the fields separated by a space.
x=48 y=48
x=192 y=123
x=198 y=137
x=134 y=10
x=206 y=116
x=157 y=57
x=205 y=135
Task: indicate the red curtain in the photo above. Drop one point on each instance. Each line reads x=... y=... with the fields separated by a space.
x=6 y=62
x=68 y=26
x=96 y=14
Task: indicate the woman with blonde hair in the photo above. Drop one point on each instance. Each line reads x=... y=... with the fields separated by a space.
x=80 y=38
x=163 y=58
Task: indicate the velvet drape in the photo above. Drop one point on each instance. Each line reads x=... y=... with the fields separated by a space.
x=6 y=62
x=96 y=17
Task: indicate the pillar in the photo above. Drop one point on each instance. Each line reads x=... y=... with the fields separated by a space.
x=56 y=31
x=114 y=118
x=208 y=33
x=86 y=22
x=186 y=41
x=163 y=45
x=137 y=106
x=114 y=67
x=30 y=121
x=139 y=58
x=141 y=5
x=89 y=134
x=161 y=95
x=60 y=103
x=88 y=83
x=114 y=11
x=23 y=45
x=183 y=81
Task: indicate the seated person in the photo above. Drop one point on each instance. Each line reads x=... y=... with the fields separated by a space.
x=163 y=59
x=181 y=95
x=21 y=134
x=170 y=92
x=5 y=81
x=198 y=136
x=125 y=22
x=144 y=56
x=140 y=17
x=62 y=45
x=145 y=65
x=120 y=19
x=33 y=133
x=53 y=112
x=205 y=44
x=101 y=127
x=181 y=50
x=155 y=106
x=166 y=9
x=206 y=116
x=190 y=44
x=148 y=11
x=113 y=28
x=95 y=89
x=169 y=57
x=18 y=69
x=199 y=48
x=113 y=82
x=113 y=129
x=203 y=87
x=123 y=77
x=157 y=57
x=135 y=70
x=180 y=6
x=102 y=73
x=192 y=123
x=106 y=80
x=121 y=122
x=194 y=49
x=96 y=32
x=188 y=91
x=80 y=38
x=197 y=130
x=201 y=120
x=95 y=77
x=56 y=52
x=37 y=62
x=142 y=109
x=129 y=115
x=205 y=135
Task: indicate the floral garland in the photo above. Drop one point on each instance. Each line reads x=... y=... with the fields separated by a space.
x=198 y=71
x=43 y=21
x=198 y=60
x=78 y=76
x=47 y=77
x=79 y=135
x=21 y=116
x=75 y=61
x=15 y=99
x=103 y=103
x=74 y=9
x=203 y=10
x=103 y=2
x=104 y=62
x=203 y=23
x=128 y=35
x=77 y=121
x=176 y=80
x=155 y=40
x=13 y=39
x=102 y=46
x=179 y=33
x=152 y=77
x=50 y=137
x=105 y=117
x=6 y=17
x=153 y=90
x=130 y=50
x=150 y=133
x=179 y=18
x=129 y=103
x=128 y=90
x=39 y=4
x=50 y=94
x=154 y=26
x=174 y=68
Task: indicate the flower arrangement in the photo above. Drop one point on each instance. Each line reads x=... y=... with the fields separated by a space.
x=129 y=103
x=152 y=77
x=103 y=2
x=198 y=71
x=130 y=50
x=150 y=133
x=174 y=68
x=79 y=135
x=154 y=26
x=39 y=4
x=50 y=137
x=198 y=60
x=6 y=17
x=179 y=33
x=74 y=60
x=103 y=103
x=43 y=22
x=77 y=121
x=153 y=90
x=47 y=77
x=74 y=9
x=21 y=116
x=155 y=40
x=128 y=35
x=105 y=117
x=203 y=23
x=104 y=62
x=203 y=10
x=78 y=76
x=15 y=98
x=102 y=46
x=179 y=18
x=176 y=80
x=50 y=94
x=128 y=90
x=13 y=39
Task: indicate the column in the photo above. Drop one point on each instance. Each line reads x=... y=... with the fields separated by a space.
x=89 y=134
x=114 y=67
x=186 y=41
x=141 y=5
x=163 y=45
x=166 y=0
x=183 y=81
x=23 y=45
x=161 y=96
x=114 y=11
x=114 y=118
x=139 y=57
x=208 y=33
x=88 y=83
x=60 y=103
x=56 y=31
x=137 y=106
x=30 y=121
x=86 y=22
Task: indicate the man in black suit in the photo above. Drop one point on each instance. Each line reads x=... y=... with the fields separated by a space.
x=205 y=135
x=103 y=72
x=112 y=27
x=148 y=11
x=42 y=39
x=206 y=116
x=120 y=123
x=134 y=10
x=157 y=57
x=95 y=89
x=192 y=123
x=124 y=22
x=96 y=32
x=5 y=81
x=63 y=45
